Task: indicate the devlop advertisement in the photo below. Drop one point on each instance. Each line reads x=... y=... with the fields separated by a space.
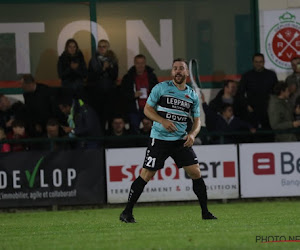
x=51 y=178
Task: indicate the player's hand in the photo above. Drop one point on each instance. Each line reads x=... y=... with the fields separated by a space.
x=168 y=125
x=189 y=140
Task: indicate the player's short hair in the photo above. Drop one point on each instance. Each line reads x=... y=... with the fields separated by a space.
x=27 y=78
x=280 y=86
x=258 y=54
x=181 y=60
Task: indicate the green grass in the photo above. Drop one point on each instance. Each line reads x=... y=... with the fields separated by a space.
x=158 y=227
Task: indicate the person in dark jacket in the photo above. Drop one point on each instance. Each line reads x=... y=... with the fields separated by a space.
x=281 y=113
x=82 y=120
x=256 y=86
x=72 y=68
x=102 y=76
x=119 y=134
x=293 y=81
x=225 y=121
x=229 y=95
x=4 y=147
x=136 y=86
x=10 y=110
x=38 y=104
x=18 y=132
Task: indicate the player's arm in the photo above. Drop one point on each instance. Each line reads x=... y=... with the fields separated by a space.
x=196 y=127
x=151 y=113
x=190 y=137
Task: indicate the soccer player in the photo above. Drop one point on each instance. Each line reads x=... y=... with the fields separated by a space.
x=169 y=105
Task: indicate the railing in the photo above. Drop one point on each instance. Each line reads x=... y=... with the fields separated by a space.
x=256 y=135
x=142 y=140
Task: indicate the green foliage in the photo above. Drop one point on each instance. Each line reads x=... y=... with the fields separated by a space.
x=158 y=227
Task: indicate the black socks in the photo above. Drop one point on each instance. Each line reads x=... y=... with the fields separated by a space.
x=200 y=190
x=136 y=190
x=138 y=185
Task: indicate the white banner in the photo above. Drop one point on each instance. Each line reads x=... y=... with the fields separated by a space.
x=270 y=169
x=218 y=166
x=280 y=38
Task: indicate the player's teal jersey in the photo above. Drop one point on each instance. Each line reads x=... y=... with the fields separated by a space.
x=174 y=105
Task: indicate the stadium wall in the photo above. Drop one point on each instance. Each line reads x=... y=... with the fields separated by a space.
x=91 y=177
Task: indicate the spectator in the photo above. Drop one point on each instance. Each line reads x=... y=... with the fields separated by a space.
x=39 y=104
x=18 y=132
x=118 y=127
x=281 y=113
x=4 y=147
x=82 y=120
x=257 y=85
x=10 y=109
x=72 y=68
x=225 y=121
x=293 y=81
x=53 y=131
x=102 y=75
x=118 y=133
x=53 y=128
x=297 y=112
x=6 y=102
x=229 y=95
x=137 y=85
x=147 y=125
x=145 y=130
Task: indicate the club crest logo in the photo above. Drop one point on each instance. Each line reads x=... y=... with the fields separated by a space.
x=283 y=41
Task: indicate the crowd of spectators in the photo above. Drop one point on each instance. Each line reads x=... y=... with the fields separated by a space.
x=92 y=103
x=259 y=102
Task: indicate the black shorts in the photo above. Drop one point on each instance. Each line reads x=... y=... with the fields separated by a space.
x=158 y=151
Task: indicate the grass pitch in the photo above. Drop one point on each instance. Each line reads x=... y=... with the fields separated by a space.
x=158 y=227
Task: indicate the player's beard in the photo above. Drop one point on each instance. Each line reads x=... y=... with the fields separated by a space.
x=179 y=79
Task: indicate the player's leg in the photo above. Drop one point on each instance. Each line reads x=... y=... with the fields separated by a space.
x=185 y=157
x=154 y=160
x=136 y=190
x=199 y=189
